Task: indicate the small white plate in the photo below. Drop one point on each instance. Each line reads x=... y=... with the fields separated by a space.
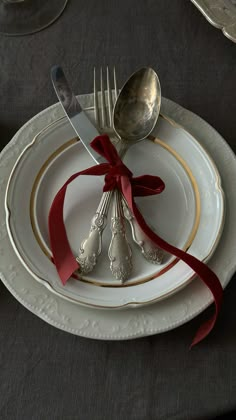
x=189 y=213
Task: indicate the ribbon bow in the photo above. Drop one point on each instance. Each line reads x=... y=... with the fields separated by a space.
x=117 y=175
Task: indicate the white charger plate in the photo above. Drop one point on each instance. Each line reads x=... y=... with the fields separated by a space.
x=129 y=323
x=189 y=214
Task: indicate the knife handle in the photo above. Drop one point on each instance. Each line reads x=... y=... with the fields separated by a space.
x=91 y=247
x=149 y=250
x=119 y=251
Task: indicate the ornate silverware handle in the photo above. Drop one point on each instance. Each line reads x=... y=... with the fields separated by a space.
x=119 y=252
x=91 y=247
x=149 y=250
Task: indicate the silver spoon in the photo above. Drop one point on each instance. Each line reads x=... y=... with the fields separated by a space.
x=137 y=106
x=134 y=117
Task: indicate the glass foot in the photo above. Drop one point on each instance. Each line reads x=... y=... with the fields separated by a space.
x=29 y=16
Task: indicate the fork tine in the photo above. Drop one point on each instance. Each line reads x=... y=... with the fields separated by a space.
x=103 y=110
x=109 y=98
x=115 y=83
x=95 y=93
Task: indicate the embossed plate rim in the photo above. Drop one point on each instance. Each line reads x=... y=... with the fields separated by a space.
x=127 y=324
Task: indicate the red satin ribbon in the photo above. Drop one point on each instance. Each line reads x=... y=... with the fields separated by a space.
x=117 y=175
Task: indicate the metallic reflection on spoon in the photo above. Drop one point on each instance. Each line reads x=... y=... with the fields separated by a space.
x=138 y=106
x=134 y=117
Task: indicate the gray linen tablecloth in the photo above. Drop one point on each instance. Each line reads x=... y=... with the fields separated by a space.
x=49 y=374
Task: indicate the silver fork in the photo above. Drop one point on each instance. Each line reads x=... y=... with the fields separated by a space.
x=119 y=252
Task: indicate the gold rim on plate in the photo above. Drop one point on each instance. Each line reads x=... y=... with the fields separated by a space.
x=187 y=245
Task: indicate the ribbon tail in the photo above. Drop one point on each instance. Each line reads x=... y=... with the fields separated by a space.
x=202 y=270
x=63 y=257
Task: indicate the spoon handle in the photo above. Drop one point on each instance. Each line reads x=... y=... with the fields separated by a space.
x=91 y=247
x=149 y=250
x=119 y=252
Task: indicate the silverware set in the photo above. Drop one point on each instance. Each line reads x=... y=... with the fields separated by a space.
x=127 y=117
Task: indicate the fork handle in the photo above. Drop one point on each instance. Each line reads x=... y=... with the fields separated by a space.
x=91 y=247
x=119 y=252
x=149 y=250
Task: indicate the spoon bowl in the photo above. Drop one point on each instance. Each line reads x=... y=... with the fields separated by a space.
x=138 y=106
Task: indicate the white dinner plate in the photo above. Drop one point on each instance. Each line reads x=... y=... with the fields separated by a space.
x=189 y=213
x=128 y=323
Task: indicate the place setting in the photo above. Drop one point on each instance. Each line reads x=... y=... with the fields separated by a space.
x=115 y=215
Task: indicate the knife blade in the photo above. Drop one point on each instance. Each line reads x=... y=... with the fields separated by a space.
x=77 y=117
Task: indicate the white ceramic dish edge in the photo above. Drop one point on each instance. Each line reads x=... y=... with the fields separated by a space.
x=136 y=322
